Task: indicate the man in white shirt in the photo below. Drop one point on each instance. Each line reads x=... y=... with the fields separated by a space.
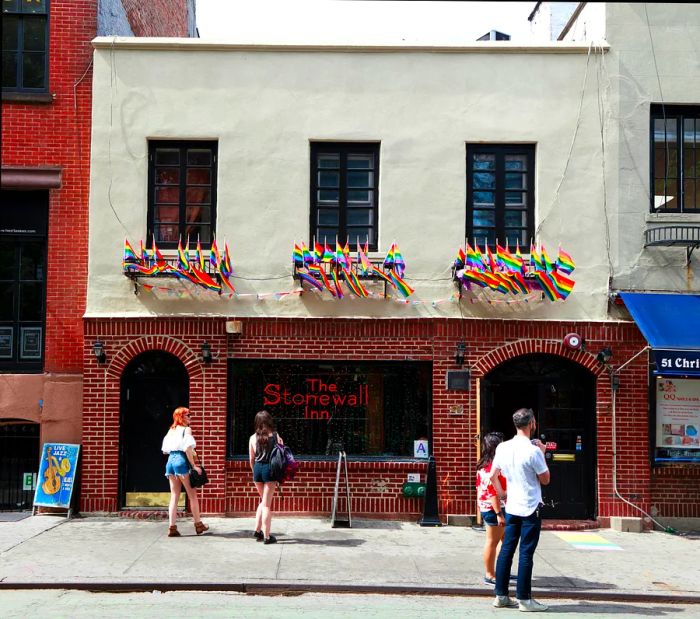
x=522 y=463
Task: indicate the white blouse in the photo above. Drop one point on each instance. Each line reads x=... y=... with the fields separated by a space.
x=177 y=439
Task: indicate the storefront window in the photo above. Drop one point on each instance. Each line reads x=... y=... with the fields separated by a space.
x=373 y=409
x=677 y=420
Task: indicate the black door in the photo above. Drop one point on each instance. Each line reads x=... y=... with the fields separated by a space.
x=154 y=384
x=562 y=394
x=19 y=464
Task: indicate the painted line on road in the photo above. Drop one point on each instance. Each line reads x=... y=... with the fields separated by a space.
x=587 y=541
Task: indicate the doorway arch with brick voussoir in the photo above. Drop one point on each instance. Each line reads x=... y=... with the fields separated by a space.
x=104 y=438
x=560 y=385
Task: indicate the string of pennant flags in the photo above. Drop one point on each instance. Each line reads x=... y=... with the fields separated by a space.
x=326 y=270
x=508 y=273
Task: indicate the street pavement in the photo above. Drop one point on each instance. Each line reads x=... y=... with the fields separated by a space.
x=123 y=554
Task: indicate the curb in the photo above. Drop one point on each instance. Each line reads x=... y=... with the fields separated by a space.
x=291 y=589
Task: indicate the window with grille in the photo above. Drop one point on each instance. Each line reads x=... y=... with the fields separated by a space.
x=500 y=194
x=675 y=160
x=182 y=192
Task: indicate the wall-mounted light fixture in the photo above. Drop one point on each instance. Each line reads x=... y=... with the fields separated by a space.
x=98 y=348
x=460 y=353
x=604 y=355
x=207 y=357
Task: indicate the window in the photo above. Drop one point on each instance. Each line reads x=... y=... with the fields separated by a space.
x=25 y=45
x=372 y=409
x=344 y=193
x=182 y=192
x=677 y=432
x=500 y=194
x=22 y=280
x=675 y=158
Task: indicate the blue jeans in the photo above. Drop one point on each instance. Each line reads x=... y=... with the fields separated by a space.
x=526 y=530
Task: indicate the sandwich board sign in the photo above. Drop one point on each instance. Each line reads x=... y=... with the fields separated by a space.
x=56 y=479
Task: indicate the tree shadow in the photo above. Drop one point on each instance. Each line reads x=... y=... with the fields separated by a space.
x=569 y=582
x=621 y=608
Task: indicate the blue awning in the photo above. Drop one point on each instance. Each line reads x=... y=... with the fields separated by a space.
x=671 y=325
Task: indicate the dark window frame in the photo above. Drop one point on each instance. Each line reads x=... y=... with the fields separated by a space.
x=231 y=421
x=343 y=149
x=36 y=233
x=680 y=113
x=500 y=151
x=181 y=145
x=22 y=16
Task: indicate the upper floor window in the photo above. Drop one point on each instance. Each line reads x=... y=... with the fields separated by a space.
x=675 y=158
x=500 y=194
x=25 y=45
x=181 y=192
x=344 y=193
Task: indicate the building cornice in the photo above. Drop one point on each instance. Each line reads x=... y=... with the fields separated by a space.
x=476 y=47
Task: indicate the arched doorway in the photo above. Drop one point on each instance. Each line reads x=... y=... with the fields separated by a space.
x=562 y=394
x=152 y=386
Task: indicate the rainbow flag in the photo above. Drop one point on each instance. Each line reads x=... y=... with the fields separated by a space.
x=474 y=277
x=517 y=279
x=362 y=259
x=535 y=259
x=518 y=256
x=354 y=284
x=157 y=256
x=200 y=256
x=547 y=285
x=336 y=283
x=182 y=262
x=383 y=276
x=227 y=283
x=214 y=257
x=340 y=255
x=318 y=270
x=145 y=257
x=492 y=260
x=399 y=264
x=404 y=289
x=318 y=252
x=328 y=255
x=545 y=259
x=297 y=256
x=507 y=259
x=389 y=260
x=310 y=280
x=479 y=261
x=461 y=259
x=308 y=256
x=129 y=254
x=204 y=279
x=565 y=263
x=562 y=283
x=226 y=268
x=346 y=253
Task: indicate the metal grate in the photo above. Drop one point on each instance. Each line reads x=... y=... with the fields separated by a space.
x=669 y=236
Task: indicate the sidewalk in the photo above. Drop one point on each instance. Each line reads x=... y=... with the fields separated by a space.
x=127 y=554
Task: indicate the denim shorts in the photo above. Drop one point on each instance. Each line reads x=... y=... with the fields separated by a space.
x=177 y=464
x=261 y=472
x=490 y=519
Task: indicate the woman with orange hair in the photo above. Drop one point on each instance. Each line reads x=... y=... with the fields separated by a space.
x=179 y=444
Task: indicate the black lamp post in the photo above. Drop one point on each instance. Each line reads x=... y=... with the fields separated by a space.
x=98 y=348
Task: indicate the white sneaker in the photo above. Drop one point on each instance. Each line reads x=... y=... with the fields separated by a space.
x=503 y=601
x=531 y=606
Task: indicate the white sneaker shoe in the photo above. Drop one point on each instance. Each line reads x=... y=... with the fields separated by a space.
x=531 y=606
x=503 y=601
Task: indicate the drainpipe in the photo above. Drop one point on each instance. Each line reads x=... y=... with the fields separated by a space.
x=615 y=384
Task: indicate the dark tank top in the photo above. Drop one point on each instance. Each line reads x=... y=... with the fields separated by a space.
x=264 y=457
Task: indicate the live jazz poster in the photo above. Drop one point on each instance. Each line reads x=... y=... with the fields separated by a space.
x=54 y=486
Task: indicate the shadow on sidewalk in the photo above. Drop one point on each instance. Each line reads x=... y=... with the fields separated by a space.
x=569 y=582
x=623 y=609
x=282 y=539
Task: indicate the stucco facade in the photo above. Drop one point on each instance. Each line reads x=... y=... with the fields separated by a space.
x=583 y=106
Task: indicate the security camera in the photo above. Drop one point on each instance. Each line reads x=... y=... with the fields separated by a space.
x=573 y=341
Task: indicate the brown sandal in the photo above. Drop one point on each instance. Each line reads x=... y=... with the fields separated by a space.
x=200 y=527
x=173 y=532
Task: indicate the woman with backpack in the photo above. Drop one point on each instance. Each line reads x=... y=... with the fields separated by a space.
x=179 y=444
x=260 y=448
x=492 y=509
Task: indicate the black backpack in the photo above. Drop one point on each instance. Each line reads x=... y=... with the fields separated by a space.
x=283 y=467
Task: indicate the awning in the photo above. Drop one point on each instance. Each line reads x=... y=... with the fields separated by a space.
x=671 y=325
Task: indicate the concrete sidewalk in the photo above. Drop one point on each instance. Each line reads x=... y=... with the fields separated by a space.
x=126 y=554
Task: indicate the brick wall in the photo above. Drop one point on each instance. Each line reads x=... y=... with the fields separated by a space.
x=58 y=134
x=157 y=18
x=375 y=486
